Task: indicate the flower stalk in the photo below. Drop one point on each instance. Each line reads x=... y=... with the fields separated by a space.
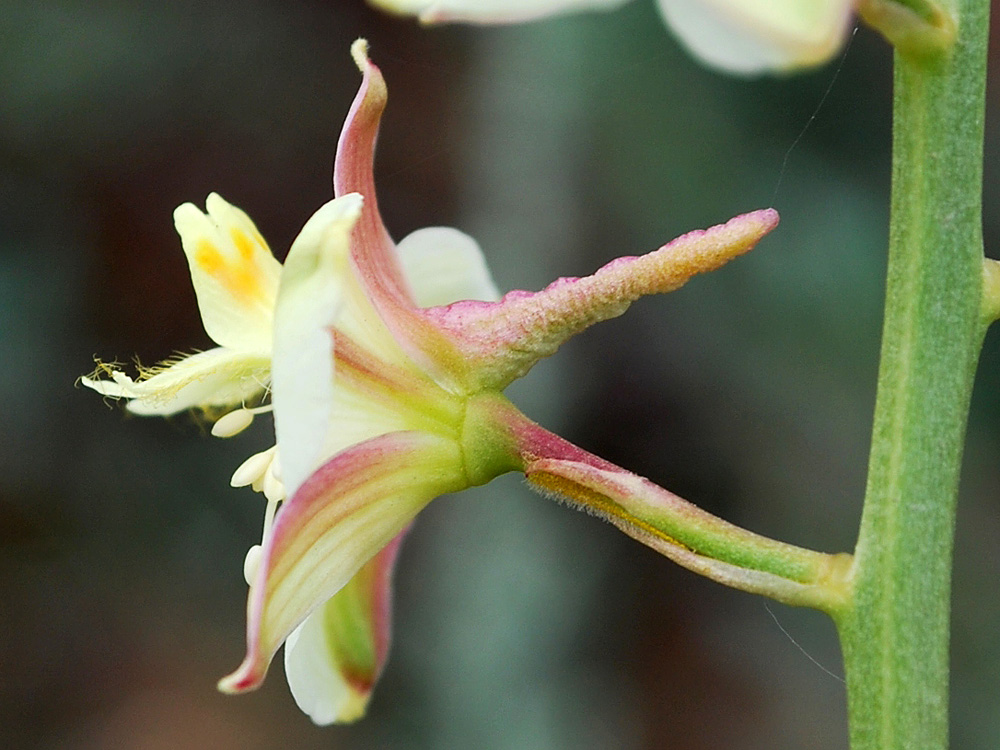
x=895 y=635
x=674 y=527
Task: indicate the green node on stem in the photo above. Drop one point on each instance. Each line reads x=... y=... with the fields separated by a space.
x=920 y=28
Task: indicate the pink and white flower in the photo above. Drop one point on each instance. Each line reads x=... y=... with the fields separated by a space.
x=384 y=365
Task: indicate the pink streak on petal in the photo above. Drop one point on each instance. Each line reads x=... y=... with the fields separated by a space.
x=373 y=252
x=248 y=676
x=382 y=602
x=394 y=474
x=372 y=249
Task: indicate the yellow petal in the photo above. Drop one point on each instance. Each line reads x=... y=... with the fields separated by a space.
x=235 y=275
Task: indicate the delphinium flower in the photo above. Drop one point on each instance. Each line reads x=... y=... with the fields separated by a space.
x=385 y=396
x=739 y=36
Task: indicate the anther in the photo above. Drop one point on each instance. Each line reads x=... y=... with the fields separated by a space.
x=252 y=563
x=232 y=423
x=272 y=487
x=252 y=470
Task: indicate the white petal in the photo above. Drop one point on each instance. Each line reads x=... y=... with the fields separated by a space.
x=757 y=36
x=358 y=319
x=444 y=265
x=309 y=297
x=217 y=377
x=235 y=276
x=490 y=11
x=357 y=417
x=317 y=685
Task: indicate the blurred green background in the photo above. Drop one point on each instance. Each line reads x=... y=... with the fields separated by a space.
x=520 y=624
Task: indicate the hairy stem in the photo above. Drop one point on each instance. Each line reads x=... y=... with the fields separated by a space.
x=677 y=529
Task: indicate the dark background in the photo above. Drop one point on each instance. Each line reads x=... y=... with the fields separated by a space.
x=559 y=145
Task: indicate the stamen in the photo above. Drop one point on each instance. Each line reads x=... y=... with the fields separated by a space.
x=273 y=489
x=272 y=508
x=252 y=470
x=252 y=563
x=232 y=423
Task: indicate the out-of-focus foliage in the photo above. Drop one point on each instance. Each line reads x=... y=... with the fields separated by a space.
x=559 y=145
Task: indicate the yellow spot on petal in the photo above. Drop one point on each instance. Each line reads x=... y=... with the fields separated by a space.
x=208 y=258
x=240 y=276
x=243 y=245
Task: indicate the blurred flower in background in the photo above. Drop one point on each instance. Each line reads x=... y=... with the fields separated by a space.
x=519 y=624
x=490 y=11
x=738 y=36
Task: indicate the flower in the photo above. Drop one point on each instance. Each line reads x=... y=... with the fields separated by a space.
x=490 y=11
x=383 y=397
x=739 y=36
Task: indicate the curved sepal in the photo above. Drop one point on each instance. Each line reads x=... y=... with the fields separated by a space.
x=346 y=512
x=353 y=172
x=373 y=253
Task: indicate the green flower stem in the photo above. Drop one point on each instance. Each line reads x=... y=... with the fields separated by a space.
x=895 y=636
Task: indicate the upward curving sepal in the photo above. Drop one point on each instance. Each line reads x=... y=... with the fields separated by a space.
x=502 y=340
x=373 y=253
x=353 y=172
